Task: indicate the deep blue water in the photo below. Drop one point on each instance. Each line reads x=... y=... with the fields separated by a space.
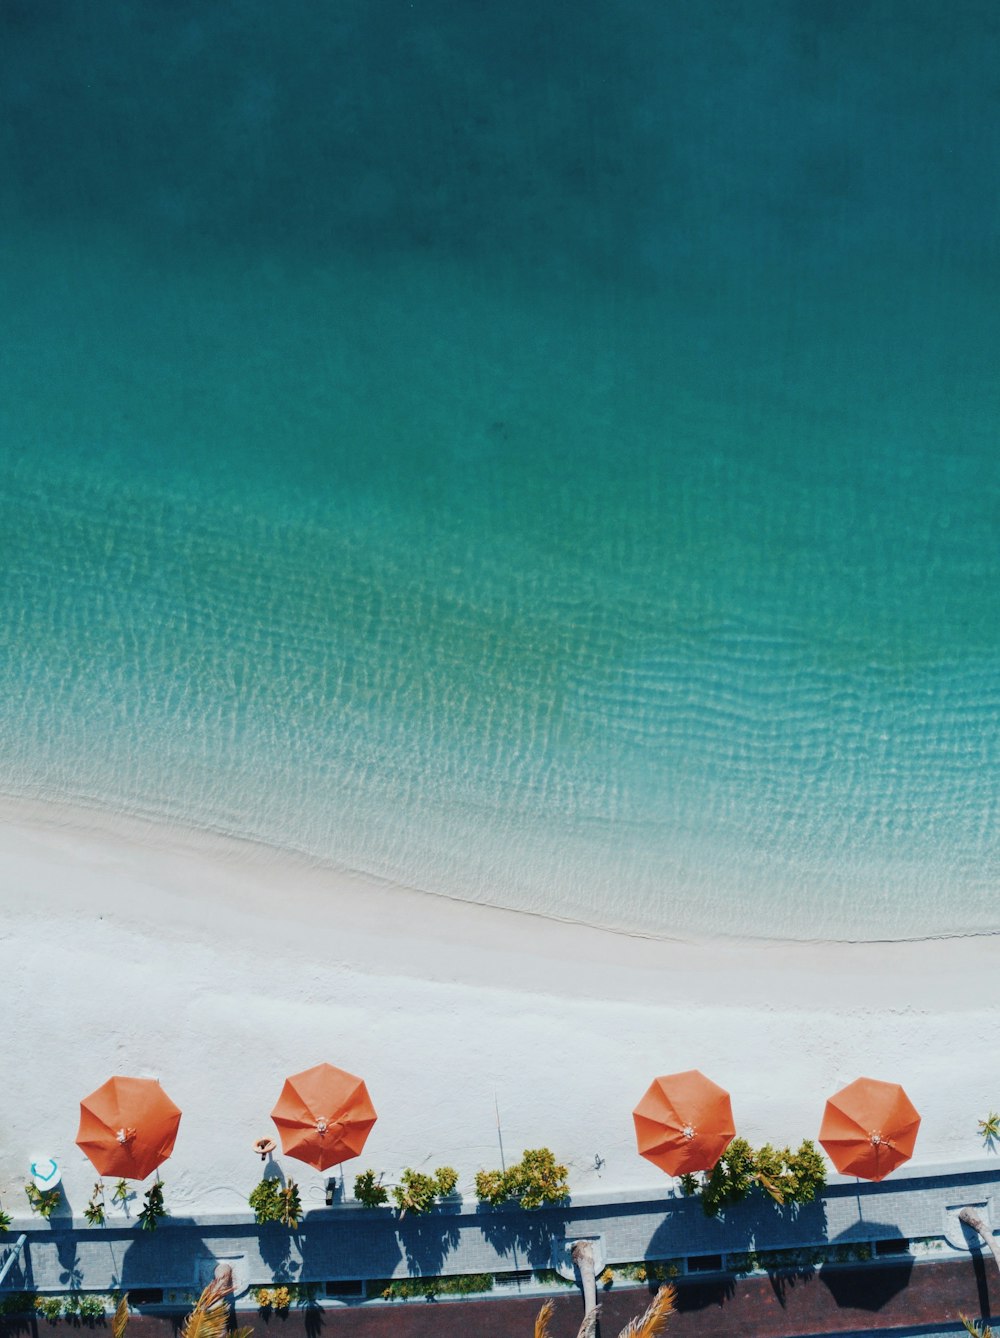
x=547 y=454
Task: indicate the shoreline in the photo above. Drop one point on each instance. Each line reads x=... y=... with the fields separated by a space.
x=131 y=946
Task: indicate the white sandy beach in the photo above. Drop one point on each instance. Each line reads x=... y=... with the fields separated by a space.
x=219 y=967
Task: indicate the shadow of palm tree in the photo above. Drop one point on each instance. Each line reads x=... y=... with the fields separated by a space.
x=522 y=1235
x=275 y=1245
x=427 y=1240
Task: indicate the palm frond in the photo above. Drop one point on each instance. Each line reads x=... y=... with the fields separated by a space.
x=653 y=1321
x=972 y=1327
x=771 y=1187
x=588 y=1329
x=210 y=1316
x=120 y=1321
x=542 y=1329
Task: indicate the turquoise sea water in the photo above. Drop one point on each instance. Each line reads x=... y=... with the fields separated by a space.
x=543 y=454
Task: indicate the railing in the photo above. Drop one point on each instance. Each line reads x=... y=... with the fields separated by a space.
x=12 y=1256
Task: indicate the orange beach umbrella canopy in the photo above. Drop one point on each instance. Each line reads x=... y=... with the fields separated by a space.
x=323 y=1116
x=128 y=1127
x=869 y=1128
x=684 y=1123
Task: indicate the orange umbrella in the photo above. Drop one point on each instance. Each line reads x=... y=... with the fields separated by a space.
x=684 y=1122
x=869 y=1128
x=128 y=1127
x=323 y=1116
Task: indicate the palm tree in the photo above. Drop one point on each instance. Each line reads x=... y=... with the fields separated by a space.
x=120 y=1322
x=210 y=1316
x=583 y=1258
x=973 y=1219
x=650 y=1324
x=977 y=1330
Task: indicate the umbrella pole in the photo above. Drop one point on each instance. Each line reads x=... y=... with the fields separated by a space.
x=503 y=1167
x=496 y=1104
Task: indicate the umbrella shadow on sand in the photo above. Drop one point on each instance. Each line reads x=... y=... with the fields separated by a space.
x=866 y=1286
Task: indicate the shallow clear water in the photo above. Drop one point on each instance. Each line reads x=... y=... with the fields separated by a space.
x=551 y=460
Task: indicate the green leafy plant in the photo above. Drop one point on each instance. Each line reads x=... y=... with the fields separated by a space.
x=788 y=1177
x=291 y=1205
x=95 y=1211
x=50 y=1307
x=369 y=1191
x=42 y=1201
x=280 y=1297
x=650 y=1270
x=272 y=1201
x=416 y=1192
x=122 y=1193
x=5 y=1220
x=83 y=1305
x=17 y=1303
x=548 y=1277
x=403 y=1289
x=535 y=1180
x=153 y=1207
x=989 y=1129
x=264 y=1200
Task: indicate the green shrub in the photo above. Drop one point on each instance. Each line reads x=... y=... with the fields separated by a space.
x=369 y=1191
x=492 y=1187
x=791 y=1177
x=416 y=1192
x=91 y=1307
x=788 y=1177
x=152 y=1207
x=650 y=1270
x=17 y=1303
x=447 y=1180
x=265 y=1201
x=407 y=1289
x=50 y=1307
x=550 y=1277
x=272 y=1201
x=5 y=1220
x=94 y=1211
x=535 y=1180
x=42 y=1201
x=281 y=1296
x=731 y=1178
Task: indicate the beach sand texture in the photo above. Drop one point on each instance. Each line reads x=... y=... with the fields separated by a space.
x=219 y=967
